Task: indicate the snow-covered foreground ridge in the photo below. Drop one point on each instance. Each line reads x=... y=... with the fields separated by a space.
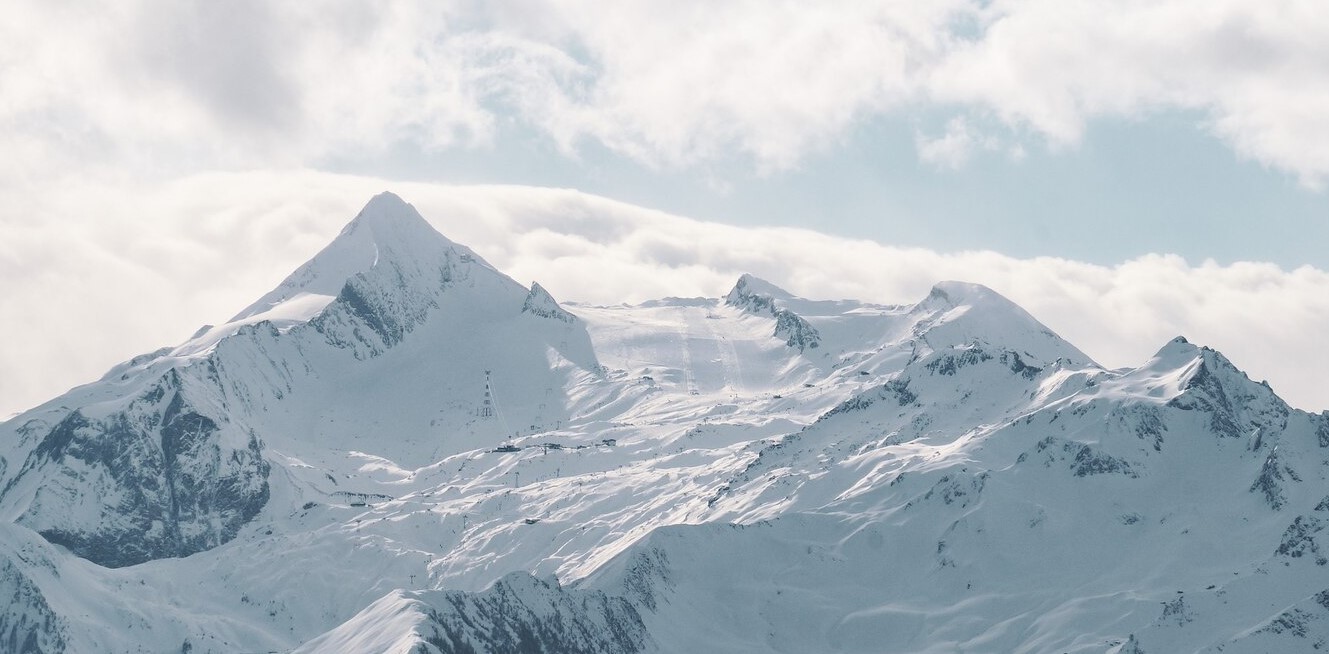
x=401 y=449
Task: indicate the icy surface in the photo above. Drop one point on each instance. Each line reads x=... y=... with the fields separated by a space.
x=401 y=449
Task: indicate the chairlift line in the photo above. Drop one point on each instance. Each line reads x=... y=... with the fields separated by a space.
x=489 y=406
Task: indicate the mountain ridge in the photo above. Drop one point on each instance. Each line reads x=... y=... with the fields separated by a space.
x=403 y=444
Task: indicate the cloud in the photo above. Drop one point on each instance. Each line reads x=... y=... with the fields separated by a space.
x=165 y=86
x=1256 y=71
x=154 y=88
x=92 y=279
x=951 y=150
x=233 y=58
x=119 y=236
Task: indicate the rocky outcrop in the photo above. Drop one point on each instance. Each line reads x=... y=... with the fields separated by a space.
x=1083 y=459
x=518 y=614
x=1271 y=480
x=27 y=623
x=159 y=478
x=541 y=304
x=796 y=331
x=1235 y=404
x=375 y=310
x=759 y=297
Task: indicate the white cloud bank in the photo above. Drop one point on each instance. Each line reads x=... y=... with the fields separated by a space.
x=114 y=238
x=134 y=269
x=192 y=85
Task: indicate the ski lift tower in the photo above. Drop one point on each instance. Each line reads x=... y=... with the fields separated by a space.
x=487 y=406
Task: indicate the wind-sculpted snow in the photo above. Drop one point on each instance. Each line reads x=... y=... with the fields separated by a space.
x=400 y=449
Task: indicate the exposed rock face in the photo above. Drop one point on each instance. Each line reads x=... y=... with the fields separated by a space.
x=1083 y=459
x=753 y=295
x=796 y=331
x=156 y=479
x=27 y=624
x=1271 y=480
x=376 y=309
x=1234 y=403
x=1302 y=537
x=759 y=297
x=523 y=614
x=541 y=304
x=517 y=615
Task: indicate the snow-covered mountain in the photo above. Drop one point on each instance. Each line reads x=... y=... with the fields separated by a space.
x=401 y=449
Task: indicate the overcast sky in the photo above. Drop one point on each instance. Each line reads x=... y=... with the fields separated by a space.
x=1127 y=171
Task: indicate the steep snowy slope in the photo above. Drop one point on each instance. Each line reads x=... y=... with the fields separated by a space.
x=1176 y=507
x=400 y=449
x=165 y=457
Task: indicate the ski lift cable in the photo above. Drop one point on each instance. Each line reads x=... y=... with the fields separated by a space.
x=493 y=399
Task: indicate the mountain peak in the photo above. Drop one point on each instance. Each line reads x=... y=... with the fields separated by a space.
x=758 y=296
x=1203 y=360
x=387 y=215
x=951 y=294
x=540 y=303
x=962 y=312
x=387 y=200
x=1177 y=351
x=389 y=222
x=387 y=229
x=382 y=275
x=749 y=285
